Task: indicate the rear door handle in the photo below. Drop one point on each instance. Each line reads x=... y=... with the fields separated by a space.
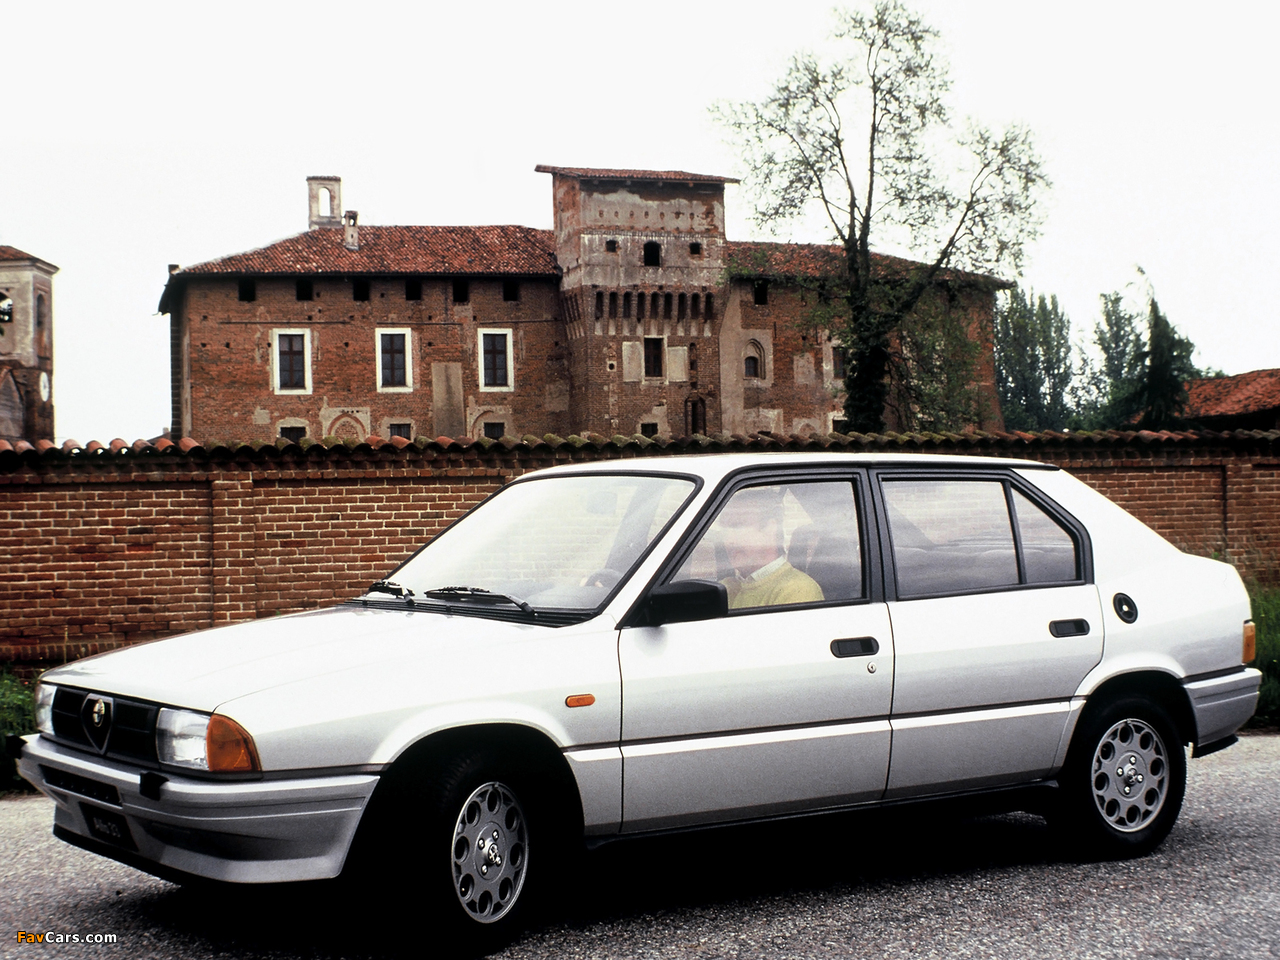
x=855 y=647
x=1069 y=628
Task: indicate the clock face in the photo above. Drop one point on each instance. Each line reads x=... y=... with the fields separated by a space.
x=45 y=386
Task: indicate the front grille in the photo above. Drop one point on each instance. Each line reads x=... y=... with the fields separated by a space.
x=133 y=726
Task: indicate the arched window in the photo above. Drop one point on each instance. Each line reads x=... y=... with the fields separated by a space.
x=653 y=254
x=753 y=361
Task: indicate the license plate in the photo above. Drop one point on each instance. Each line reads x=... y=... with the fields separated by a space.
x=108 y=827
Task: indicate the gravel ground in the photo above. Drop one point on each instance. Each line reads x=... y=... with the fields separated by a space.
x=916 y=884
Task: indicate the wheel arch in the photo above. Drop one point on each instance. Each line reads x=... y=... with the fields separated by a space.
x=1156 y=685
x=526 y=746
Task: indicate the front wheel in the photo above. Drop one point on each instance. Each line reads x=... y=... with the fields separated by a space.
x=490 y=852
x=1124 y=779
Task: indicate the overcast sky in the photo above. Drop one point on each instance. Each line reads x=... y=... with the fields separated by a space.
x=138 y=135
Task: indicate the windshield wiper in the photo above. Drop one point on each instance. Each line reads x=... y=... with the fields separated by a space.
x=478 y=594
x=391 y=587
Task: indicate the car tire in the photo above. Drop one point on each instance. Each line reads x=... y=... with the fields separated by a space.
x=1124 y=780
x=469 y=822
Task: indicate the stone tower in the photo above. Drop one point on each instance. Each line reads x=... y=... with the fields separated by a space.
x=643 y=289
x=26 y=346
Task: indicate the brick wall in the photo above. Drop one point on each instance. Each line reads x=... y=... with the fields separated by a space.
x=107 y=547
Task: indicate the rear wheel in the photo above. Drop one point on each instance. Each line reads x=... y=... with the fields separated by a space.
x=1124 y=779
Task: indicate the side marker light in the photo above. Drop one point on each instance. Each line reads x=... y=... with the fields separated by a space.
x=580 y=700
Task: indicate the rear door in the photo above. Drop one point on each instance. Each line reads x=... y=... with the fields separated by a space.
x=995 y=620
x=783 y=704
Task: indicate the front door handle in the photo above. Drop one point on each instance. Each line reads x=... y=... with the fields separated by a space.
x=1069 y=628
x=855 y=647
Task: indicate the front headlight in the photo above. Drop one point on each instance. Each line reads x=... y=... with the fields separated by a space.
x=180 y=738
x=44 y=707
x=199 y=741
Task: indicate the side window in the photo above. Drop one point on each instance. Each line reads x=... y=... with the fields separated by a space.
x=1048 y=551
x=950 y=536
x=783 y=544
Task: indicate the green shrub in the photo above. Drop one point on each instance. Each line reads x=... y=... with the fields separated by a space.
x=17 y=715
x=1266 y=618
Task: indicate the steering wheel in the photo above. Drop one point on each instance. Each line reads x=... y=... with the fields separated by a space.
x=604 y=577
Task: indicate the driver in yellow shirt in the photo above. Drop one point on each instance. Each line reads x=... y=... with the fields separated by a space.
x=751 y=527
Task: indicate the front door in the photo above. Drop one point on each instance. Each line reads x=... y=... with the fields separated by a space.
x=782 y=705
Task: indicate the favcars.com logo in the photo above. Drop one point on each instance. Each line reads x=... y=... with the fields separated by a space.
x=24 y=937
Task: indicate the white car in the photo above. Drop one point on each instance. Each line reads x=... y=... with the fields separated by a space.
x=637 y=646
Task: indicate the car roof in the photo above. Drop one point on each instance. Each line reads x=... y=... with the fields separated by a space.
x=715 y=466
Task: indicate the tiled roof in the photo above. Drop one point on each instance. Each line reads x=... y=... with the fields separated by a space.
x=425 y=250
x=751 y=258
x=14 y=456
x=13 y=253
x=599 y=173
x=1244 y=393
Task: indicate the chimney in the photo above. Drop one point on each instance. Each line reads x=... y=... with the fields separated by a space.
x=324 y=202
x=350 y=232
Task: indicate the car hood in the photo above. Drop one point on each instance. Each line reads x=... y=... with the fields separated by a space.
x=210 y=667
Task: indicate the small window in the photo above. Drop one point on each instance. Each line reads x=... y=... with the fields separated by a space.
x=6 y=308
x=360 y=289
x=611 y=246
x=710 y=311
x=248 y=291
x=839 y=426
x=648 y=429
x=304 y=289
x=783 y=544
x=667 y=300
x=495 y=430
x=413 y=289
x=640 y=299
x=1048 y=551
x=401 y=430
x=653 y=350
x=626 y=306
x=613 y=305
x=695 y=249
x=682 y=307
x=653 y=307
x=599 y=304
x=950 y=536
x=495 y=349
x=293 y=434
x=695 y=303
x=461 y=291
x=761 y=292
x=653 y=254
x=392 y=359
x=751 y=367
x=291 y=361
x=839 y=363
x=510 y=290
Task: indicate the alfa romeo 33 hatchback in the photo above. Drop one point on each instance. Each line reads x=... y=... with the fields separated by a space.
x=630 y=647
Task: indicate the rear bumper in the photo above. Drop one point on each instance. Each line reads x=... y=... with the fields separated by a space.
x=1222 y=704
x=263 y=831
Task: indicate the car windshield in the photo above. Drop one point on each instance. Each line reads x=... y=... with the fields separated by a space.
x=559 y=542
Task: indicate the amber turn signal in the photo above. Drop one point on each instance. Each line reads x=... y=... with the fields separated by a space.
x=580 y=700
x=229 y=748
x=1250 y=643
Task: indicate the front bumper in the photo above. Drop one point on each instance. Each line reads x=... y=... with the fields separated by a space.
x=1222 y=704
x=258 y=831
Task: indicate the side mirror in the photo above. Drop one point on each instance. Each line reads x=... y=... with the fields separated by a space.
x=686 y=601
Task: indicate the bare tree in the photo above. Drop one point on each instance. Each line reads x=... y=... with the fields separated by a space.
x=867 y=140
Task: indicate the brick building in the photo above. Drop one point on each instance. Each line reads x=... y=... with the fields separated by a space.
x=26 y=346
x=633 y=315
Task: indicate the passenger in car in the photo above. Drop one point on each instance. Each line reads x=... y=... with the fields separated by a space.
x=751 y=527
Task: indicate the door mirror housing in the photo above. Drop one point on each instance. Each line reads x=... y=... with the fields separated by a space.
x=686 y=601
